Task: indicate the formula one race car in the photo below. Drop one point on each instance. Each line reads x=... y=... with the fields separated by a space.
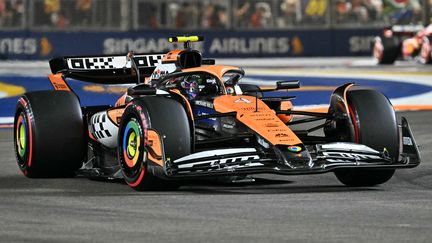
x=405 y=42
x=184 y=117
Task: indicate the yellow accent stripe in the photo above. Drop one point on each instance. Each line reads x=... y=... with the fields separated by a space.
x=11 y=90
x=184 y=39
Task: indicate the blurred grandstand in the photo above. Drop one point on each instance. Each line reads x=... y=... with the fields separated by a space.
x=41 y=29
x=126 y=15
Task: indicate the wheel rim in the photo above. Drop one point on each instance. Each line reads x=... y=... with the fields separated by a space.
x=131 y=143
x=21 y=136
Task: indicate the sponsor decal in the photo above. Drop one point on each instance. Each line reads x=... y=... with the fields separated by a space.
x=204 y=103
x=271 y=125
x=349 y=156
x=233 y=163
x=114 y=62
x=18 y=46
x=265 y=119
x=268 y=45
x=25 y=46
x=297 y=46
x=143 y=45
x=294 y=148
x=60 y=86
x=230 y=90
x=243 y=100
x=276 y=130
x=361 y=43
x=162 y=70
x=45 y=47
x=248 y=108
x=281 y=135
x=407 y=141
x=157 y=74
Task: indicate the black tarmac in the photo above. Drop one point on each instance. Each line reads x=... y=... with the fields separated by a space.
x=313 y=208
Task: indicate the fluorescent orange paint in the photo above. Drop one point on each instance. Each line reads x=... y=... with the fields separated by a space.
x=121 y=101
x=58 y=82
x=155 y=146
x=264 y=122
x=115 y=115
x=285 y=106
x=171 y=56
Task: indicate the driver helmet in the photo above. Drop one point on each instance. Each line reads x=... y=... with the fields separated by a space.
x=191 y=85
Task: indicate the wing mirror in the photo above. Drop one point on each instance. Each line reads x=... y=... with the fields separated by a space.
x=233 y=80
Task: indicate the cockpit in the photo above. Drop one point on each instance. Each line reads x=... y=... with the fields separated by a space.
x=195 y=84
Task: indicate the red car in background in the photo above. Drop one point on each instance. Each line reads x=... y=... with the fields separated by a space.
x=405 y=42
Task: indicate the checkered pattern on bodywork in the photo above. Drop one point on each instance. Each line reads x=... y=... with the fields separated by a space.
x=97 y=128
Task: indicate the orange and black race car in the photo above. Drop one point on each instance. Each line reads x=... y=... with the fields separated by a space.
x=184 y=117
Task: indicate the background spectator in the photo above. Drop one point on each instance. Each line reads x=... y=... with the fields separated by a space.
x=401 y=11
x=187 y=16
x=83 y=10
x=262 y=16
x=148 y=15
x=214 y=16
x=358 y=12
x=290 y=13
x=242 y=13
x=315 y=11
x=374 y=8
x=5 y=14
x=52 y=10
x=342 y=10
x=206 y=14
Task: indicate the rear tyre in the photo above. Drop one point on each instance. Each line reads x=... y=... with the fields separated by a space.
x=169 y=119
x=375 y=125
x=386 y=50
x=49 y=134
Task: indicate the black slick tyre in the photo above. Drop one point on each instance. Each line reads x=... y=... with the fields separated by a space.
x=49 y=134
x=375 y=125
x=386 y=50
x=163 y=115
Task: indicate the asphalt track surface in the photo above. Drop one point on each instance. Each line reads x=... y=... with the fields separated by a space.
x=272 y=209
x=314 y=208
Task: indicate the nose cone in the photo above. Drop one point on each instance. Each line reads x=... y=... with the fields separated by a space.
x=294 y=156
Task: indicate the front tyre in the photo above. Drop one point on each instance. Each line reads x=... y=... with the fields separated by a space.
x=375 y=125
x=162 y=115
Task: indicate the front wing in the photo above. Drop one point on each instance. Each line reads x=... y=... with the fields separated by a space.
x=324 y=158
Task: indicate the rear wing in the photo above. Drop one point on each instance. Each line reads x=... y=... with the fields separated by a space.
x=107 y=69
x=402 y=30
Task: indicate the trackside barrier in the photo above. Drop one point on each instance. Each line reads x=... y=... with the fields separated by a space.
x=24 y=45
